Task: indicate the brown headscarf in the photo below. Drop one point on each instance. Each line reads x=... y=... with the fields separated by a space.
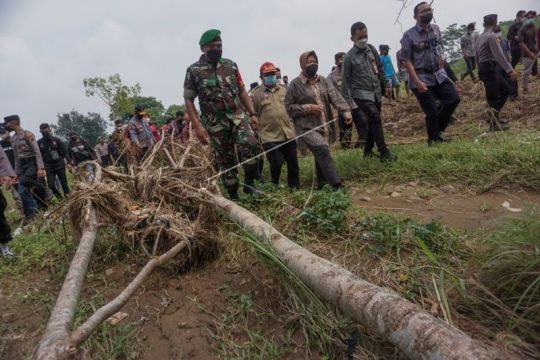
x=304 y=57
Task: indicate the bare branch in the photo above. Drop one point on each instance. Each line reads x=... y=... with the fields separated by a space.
x=85 y=330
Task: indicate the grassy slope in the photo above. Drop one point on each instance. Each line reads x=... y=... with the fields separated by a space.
x=500 y=160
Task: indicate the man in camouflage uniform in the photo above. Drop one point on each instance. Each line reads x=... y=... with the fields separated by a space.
x=222 y=100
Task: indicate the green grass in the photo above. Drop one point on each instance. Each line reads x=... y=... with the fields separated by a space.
x=506 y=296
x=108 y=341
x=504 y=159
x=236 y=338
x=38 y=251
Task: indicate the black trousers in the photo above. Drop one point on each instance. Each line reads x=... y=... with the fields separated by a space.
x=438 y=103
x=361 y=124
x=324 y=166
x=345 y=133
x=5 y=230
x=471 y=65
x=516 y=57
x=285 y=154
x=497 y=83
x=59 y=173
x=105 y=160
x=34 y=185
x=371 y=111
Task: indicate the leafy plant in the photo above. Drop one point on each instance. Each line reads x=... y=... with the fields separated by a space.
x=327 y=210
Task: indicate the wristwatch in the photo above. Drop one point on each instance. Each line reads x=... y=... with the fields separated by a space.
x=252 y=114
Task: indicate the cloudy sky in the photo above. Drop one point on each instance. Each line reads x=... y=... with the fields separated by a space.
x=48 y=47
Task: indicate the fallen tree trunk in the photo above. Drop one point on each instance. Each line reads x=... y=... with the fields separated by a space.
x=54 y=343
x=414 y=331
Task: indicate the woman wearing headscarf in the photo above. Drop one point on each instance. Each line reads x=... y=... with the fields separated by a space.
x=308 y=102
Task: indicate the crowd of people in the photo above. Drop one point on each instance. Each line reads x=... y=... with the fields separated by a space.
x=277 y=118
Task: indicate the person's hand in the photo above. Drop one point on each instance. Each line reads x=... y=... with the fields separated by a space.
x=201 y=134
x=254 y=122
x=6 y=180
x=421 y=86
x=388 y=93
x=347 y=117
x=315 y=109
x=41 y=173
x=513 y=75
x=458 y=87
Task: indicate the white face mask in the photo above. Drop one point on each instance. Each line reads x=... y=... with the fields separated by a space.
x=361 y=44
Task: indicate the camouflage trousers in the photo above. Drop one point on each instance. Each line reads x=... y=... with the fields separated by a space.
x=229 y=132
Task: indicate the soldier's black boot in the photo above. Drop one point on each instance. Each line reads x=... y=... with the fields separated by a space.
x=250 y=171
x=230 y=181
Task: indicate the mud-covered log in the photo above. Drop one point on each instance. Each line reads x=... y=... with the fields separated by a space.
x=417 y=334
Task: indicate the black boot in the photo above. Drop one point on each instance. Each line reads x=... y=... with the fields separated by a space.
x=233 y=195
x=249 y=181
x=387 y=156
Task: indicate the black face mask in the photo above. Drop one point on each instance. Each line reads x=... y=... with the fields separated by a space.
x=73 y=138
x=426 y=19
x=213 y=55
x=311 y=70
x=47 y=135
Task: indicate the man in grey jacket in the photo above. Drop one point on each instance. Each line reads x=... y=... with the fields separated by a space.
x=364 y=82
x=29 y=167
x=7 y=178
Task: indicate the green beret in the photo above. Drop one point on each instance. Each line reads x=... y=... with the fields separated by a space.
x=210 y=35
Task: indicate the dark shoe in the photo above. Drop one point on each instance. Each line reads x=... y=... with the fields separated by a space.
x=337 y=187
x=233 y=195
x=368 y=154
x=27 y=220
x=359 y=144
x=251 y=190
x=388 y=157
x=500 y=126
x=443 y=138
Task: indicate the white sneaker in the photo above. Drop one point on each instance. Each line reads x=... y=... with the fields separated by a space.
x=6 y=251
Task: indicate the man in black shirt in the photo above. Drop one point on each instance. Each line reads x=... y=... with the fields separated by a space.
x=515 y=48
x=54 y=153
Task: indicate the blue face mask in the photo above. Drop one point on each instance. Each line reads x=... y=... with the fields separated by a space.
x=270 y=80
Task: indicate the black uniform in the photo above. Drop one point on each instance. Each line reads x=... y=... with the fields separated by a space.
x=79 y=151
x=493 y=71
x=515 y=48
x=54 y=153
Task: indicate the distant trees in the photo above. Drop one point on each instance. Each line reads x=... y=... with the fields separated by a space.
x=450 y=42
x=89 y=127
x=113 y=93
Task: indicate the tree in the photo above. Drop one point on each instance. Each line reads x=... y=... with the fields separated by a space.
x=171 y=111
x=113 y=93
x=89 y=127
x=450 y=42
x=153 y=106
